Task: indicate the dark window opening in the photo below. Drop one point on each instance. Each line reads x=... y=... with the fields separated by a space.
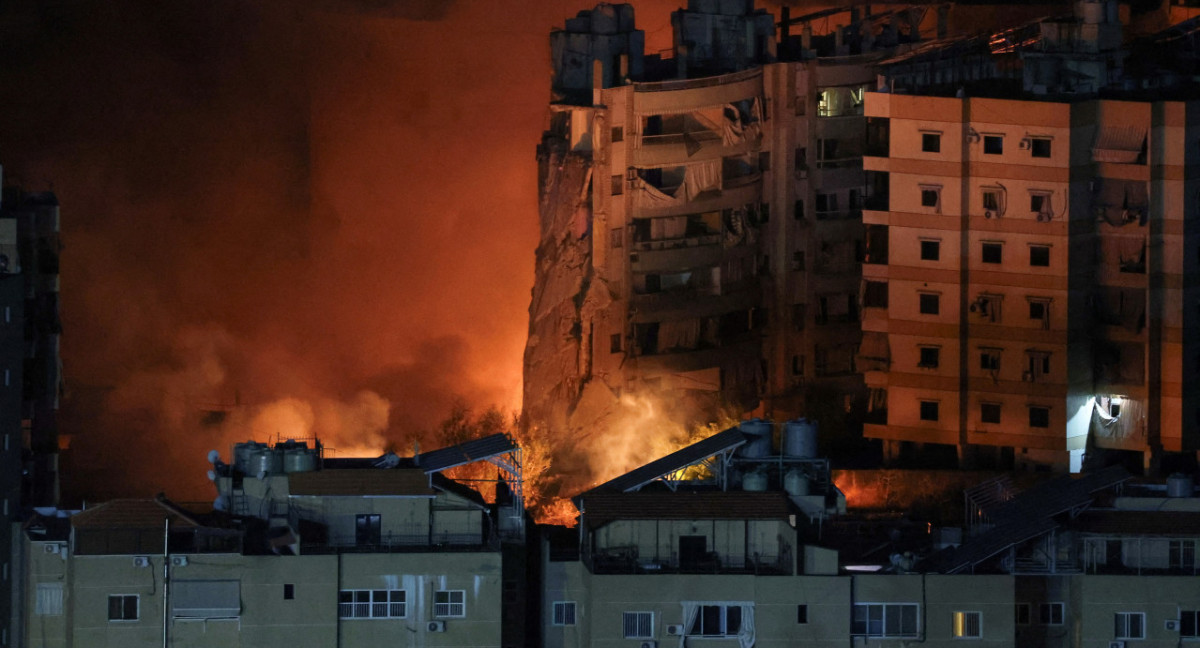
x=929 y=357
x=992 y=252
x=929 y=410
x=931 y=250
x=931 y=142
x=1039 y=255
x=989 y=412
x=289 y=591
x=1039 y=417
x=993 y=144
x=1040 y=147
x=929 y=304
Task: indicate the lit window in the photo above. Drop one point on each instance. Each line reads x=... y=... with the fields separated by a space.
x=1129 y=625
x=372 y=604
x=993 y=144
x=929 y=410
x=564 y=613
x=885 y=620
x=1050 y=613
x=450 y=603
x=123 y=607
x=638 y=625
x=968 y=625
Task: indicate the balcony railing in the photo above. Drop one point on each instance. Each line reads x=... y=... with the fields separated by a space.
x=622 y=562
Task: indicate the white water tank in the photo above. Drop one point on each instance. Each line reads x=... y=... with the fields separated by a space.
x=1180 y=485
x=299 y=460
x=758 y=438
x=800 y=439
x=754 y=481
x=268 y=460
x=243 y=456
x=796 y=483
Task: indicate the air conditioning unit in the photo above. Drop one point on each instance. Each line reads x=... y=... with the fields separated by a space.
x=674 y=630
x=1025 y=144
x=179 y=561
x=436 y=626
x=1171 y=625
x=649 y=643
x=50 y=549
x=141 y=561
x=1116 y=644
x=989 y=213
x=1044 y=217
x=1129 y=216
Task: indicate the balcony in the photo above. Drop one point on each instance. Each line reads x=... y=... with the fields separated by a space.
x=625 y=560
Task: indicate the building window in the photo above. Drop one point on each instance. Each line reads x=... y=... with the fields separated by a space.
x=1129 y=625
x=616 y=238
x=968 y=625
x=931 y=250
x=991 y=202
x=1189 y=623
x=367 y=529
x=1039 y=147
x=1050 y=613
x=931 y=142
x=931 y=196
x=990 y=413
x=638 y=625
x=372 y=604
x=618 y=185
x=564 y=613
x=875 y=294
x=798 y=210
x=289 y=591
x=618 y=134
x=992 y=252
x=1039 y=255
x=929 y=410
x=614 y=343
x=1038 y=365
x=49 y=599
x=885 y=620
x=797 y=365
x=1039 y=417
x=450 y=603
x=1022 y=614
x=802 y=613
x=1182 y=554
x=717 y=621
x=929 y=357
x=929 y=303
x=827 y=204
x=993 y=144
x=123 y=607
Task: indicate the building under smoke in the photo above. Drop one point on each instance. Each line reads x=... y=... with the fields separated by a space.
x=707 y=223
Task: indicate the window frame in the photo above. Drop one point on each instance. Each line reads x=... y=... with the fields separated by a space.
x=802 y=614
x=1037 y=422
x=1033 y=147
x=922 y=411
x=983 y=418
x=561 y=619
x=929 y=303
x=960 y=627
x=637 y=615
x=1190 y=626
x=1051 y=607
x=882 y=620
x=50 y=605
x=993 y=140
x=722 y=630
x=448 y=612
x=931 y=190
x=1039 y=249
x=931 y=142
x=929 y=356
x=137 y=608
x=994 y=246
x=355 y=607
x=1122 y=627
x=1028 y=616
x=930 y=249
x=1178 y=550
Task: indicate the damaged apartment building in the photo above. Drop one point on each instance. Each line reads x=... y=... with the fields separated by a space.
x=701 y=214
x=969 y=247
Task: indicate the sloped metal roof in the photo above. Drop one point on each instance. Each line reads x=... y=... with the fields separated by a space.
x=360 y=482
x=699 y=451
x=465 y=453
x=601 y=508
x=133 y=514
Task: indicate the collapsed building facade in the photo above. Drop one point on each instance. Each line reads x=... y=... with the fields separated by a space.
x=711 y=234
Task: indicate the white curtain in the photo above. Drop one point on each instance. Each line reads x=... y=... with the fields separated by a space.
x=745 y=633
x=690 y=610
x=701 y=177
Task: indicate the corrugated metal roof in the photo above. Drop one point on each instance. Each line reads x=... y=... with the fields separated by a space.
x=979 y=549
x=601 y=508
x=465 y=453
x=683 y=458
x=409 y=482
x=132 y=514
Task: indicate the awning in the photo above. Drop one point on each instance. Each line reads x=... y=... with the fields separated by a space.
x=1121 y=144
x=206 y=599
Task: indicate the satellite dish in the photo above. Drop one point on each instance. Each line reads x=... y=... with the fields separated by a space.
x=221 y=503
x=213 y=457
x=212 y=476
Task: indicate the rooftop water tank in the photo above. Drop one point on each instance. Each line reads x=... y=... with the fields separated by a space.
x=243 y=455
x=1180 y=485
x=800 y=439
x=754 y=481
x=796 y=483
x=299 y=460
x=267 y=460
x=758 y=438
